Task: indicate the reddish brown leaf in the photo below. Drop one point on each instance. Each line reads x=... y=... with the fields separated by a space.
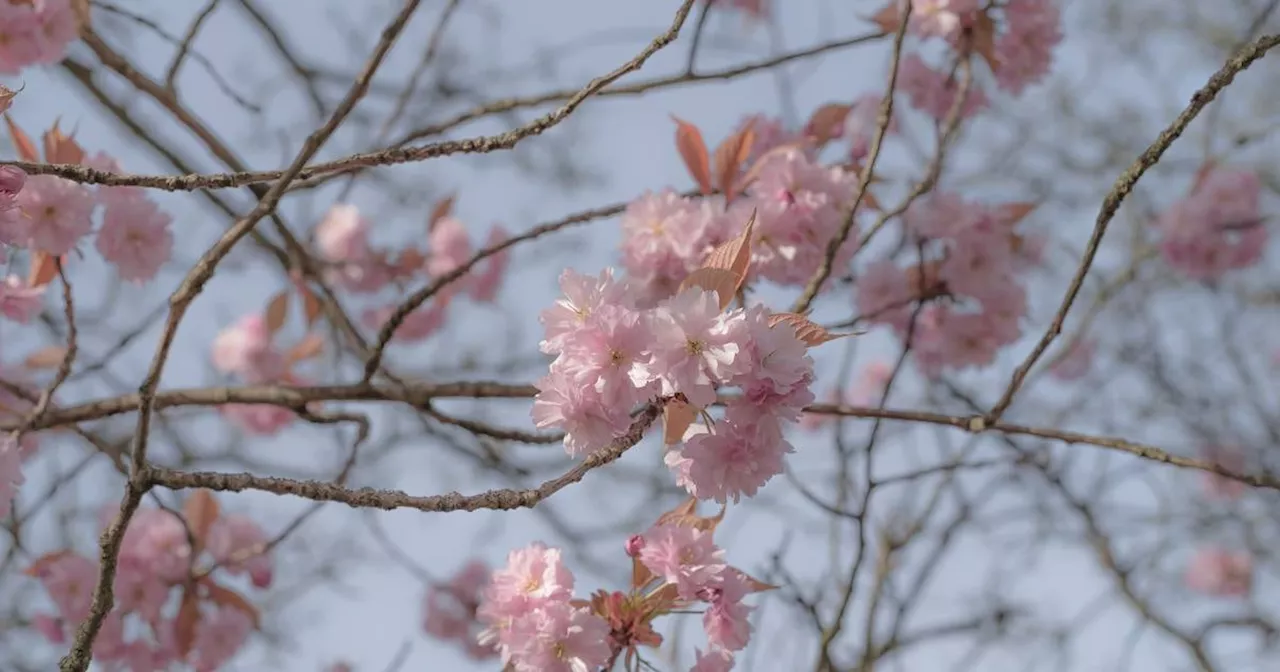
x=6 y=98
x=757 y=586
x=409 y=261
x=735 y=255
x=310 y=304
x=225 y=597
x=43 y=562
x=729 y=158
x=693 y=149
x=812 y=334
x=982 y=40
x=443 y=209
x=46 y=357
x=277 y=311
x=1012 y=213
x=683 y=509
x=43 y=269
x=200 y=510
x=677 y=416
x=827 y=123
x=640 y=575
x=686 y=517
x=723 y=283
x=184 y=626
x=311 y=345
x=60 y=148
x=21 y=142
x=887 y=18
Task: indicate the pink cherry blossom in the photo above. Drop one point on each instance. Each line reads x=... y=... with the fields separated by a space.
x=1217 y=227
x=739 y=457
x=157 y=539
x=70 y=579
x=35 y=33
x=694 y=345
x=258 y=419
x=219 y=636
x=582 y=295
x=1024 y=50
x=560 y=638
x=10 y=473
x=12 y=179
x=135 y=234
x=343 y=234
x=726 y=620
x=934 y=92
x=1075 y=362
x=58 y=213
x=534 y=577
x=684 y=556
x=610 y=353
x=771 y=133
x=450 y=608
x=861 y=124
x=580 y=410
x=238 y=545
x=138 y=591
x=449 y=247
x=870 y=384
x=714 y=660
x=419 y=324
x=1220 y=487
x=50 y=627
x=1221 y=573
x=245 y=349
x=485 y=284
x=18 y=301
x=941 y=18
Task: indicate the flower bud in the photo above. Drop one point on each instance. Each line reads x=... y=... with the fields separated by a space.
x=634 y=545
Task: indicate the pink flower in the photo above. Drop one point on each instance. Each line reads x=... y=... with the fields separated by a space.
x=1217 y=227
x=245 y=349
x=135 y=234
x=580 y=410
x=693 y=346
x=941 y=18
x=18 y=301
x=533 y=578
x=862 y=123
x=1221 y=573
x=417 y=325
x=773 y=362
x=50 y=627
x=1074 y=363
x=343 y=235
x=12 y=179
x=485 y=285
x=10 y=473
x=449 y=247
x=58 y=213
x=35 y=32
x=725 y=621
x=684 y=556
x=934 y=92
x=560 y=638
x=1024 y=50
x=139 y=591
x=450 y=609
x=737 y=458
x=714 y=660
x=582 y=295
x=220 y=634
x=157 y=539
x=258 y=419
x=238 y=544
x=70 y=580
x=1219 y=487
x=610 y=354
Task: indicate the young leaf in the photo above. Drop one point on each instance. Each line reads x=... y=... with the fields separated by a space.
x=1012 y=213
x=827 y=123
x=724 y=283
x=677 y=415
x=46 y=357
x=184 y=626
x=734 y=255
x=443 y=209
x=757 y=586
x=982 y=40
x=225 y=597
x=200 y=510
x=683 y=509
x=808 y=332
x=311 y=345
x=887 y=18
x=43 y=563
x=6 y=98
x=640 y=575
x=277 y=310
x=693 y=149
x=729 y=158
x=59 y=148
x=310 y=304
x=43 y=269
x=25 y=148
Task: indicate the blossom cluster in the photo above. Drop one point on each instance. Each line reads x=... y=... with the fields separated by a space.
x=49 y=215
x=971 y=258
x=1215 y=228
x=536 y=624
x=169 y=606
x=612 y=354
x=1016 y=40
x=34 y=33
x=356 y=265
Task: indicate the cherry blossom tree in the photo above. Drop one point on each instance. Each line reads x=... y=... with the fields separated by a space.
x=961 y=362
